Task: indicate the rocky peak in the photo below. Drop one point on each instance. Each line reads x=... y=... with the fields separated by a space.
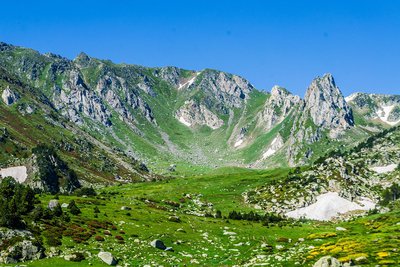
x=5 y=47
x=327 y=107
x=82 y=60
x=277 y=107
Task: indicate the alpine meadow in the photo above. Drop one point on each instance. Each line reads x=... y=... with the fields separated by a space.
x=105 y=163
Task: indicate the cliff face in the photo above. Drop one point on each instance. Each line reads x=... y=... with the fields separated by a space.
x=327 y=106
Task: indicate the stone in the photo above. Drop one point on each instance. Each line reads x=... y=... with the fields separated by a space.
x=169 y=249
x=9 y=97
x=52 y=204
x=21 y=251
x=156 y=243
x=107 y=257
x=361 y=260
x=70 y=257
x=340 y=229
x=327 y=261
x=125 y=208
x=64 y=205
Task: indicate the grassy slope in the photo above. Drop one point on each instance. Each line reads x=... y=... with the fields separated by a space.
x=375 y=236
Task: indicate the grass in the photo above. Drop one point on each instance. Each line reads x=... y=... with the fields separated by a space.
x=217 y=242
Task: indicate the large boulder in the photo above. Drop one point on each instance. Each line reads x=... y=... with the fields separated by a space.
x=9 y=97
x=327 y=261
x=19 y=246
x=24 y=250
x=107 y=257
x=52 y=204
x=158 y=244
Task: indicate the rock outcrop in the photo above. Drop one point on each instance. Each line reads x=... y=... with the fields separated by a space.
x=277 y=107
x=224 y=90
x=25 y=249
x=327 y=106
x=323 y=109
x=9 y=97
x=107 y=258
x=327 y=261
x=192 y=114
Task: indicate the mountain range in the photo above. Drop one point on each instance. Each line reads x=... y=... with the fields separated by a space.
x=127 y=122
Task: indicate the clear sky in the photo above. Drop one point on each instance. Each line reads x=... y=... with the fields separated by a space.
x=268 y=42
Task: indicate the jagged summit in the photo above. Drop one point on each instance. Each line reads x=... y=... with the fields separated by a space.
x=327 y=106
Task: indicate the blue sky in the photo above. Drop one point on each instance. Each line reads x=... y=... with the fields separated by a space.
x=268 y=42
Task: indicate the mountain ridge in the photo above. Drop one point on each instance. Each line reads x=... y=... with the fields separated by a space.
x=193 y=119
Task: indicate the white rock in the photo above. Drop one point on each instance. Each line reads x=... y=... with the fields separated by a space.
x=107 y=257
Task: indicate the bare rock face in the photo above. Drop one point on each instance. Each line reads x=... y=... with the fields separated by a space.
x=75 y=99
x=169 y=74
x=277 y=107
x=327 y=106
x=229 y=90
x=192 y=114
x=324 y=108
x=114 y=90
x=9 y=97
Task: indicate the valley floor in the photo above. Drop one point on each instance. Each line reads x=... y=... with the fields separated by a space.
x=173 y=211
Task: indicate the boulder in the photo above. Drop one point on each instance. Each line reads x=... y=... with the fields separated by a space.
x=21 y=251
x=158 y=244
x=327 y=261
x=52 y=204
x=107 y=257
x=9 y=97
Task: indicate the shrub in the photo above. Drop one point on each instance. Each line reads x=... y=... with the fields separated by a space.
x=73 y=208
x=57 y=211
x=99 y=238
x=78 y=257
x=88 y=191
x=96 y=210
x=218 y=214
x=118 y=237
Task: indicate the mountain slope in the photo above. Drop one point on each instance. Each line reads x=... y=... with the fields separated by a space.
x=197 y=120
x=359 y=175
